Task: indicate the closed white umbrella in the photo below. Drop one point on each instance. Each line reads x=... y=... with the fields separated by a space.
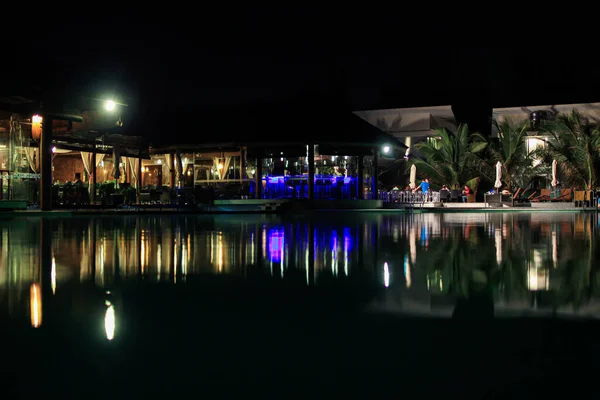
x=554 y=182
x=498 y=182
x=413 y=177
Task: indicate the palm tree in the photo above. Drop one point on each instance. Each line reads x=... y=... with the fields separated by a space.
x=575 y=145
x=511 y=150
x=450 y=158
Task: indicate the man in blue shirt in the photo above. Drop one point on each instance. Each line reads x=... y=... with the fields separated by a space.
x=424 y=186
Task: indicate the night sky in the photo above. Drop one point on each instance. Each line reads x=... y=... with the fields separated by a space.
x=168 y=67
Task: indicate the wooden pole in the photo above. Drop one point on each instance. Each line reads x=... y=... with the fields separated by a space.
x=93 y=177
x=360 y=178
x=258 y=178
x=46 y=165
x=311 y=171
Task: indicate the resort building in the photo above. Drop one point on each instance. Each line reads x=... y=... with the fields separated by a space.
x=267 y=154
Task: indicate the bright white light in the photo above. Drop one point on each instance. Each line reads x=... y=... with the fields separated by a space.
x=36 y=119
x=386 y=149
x=109 y=105
x=386 y=275
x=253 y=172
x=109 y=322
x=54 y=149
x=53 y=276
x=220 y=166
x=159 y=162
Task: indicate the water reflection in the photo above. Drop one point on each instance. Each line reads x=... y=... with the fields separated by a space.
x=424 y=262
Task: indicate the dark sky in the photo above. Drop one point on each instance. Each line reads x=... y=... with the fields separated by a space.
x=171 y=64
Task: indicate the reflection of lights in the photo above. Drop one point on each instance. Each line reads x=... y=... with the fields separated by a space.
x=347 y=246
x=159 y=260
x=276 y=245
x=109 y=321
x=54 y=149
x=53 y=276
x=407 y=271
x=537 y=277
x=386 y=275
x=143 y=250
x=334 y=261
x=35 y=304
x=216 y=250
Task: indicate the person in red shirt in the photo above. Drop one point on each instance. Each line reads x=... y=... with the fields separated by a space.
x=465 y=193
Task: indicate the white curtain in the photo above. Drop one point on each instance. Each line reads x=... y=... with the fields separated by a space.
x=226 y=167
x=33 y=161
x=99 y=158
x=86 y=157
x=133 y=166
x=222 y=172
x=166 y=170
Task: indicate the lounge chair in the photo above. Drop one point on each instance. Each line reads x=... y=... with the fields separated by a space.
x=526 y=195
x=565 y=195
x=544 y=196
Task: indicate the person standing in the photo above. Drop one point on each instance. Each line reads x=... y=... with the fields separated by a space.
x=465 y=193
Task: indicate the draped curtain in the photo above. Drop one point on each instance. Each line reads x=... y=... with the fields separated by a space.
x=133 y=165
x=222 y=172
x=86 y=157
x=166 y=170
x=34 y=162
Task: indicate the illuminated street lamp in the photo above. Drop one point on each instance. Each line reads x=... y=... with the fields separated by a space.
x=386 y=149
x=109 y=105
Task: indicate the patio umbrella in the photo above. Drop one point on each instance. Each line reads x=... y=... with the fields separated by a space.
x=498 y=182
x=413 y=177
x=554 y=182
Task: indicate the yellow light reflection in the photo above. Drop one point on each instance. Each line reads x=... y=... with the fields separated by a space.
x=35 y=303
x=109 y=322
x=53 y=276
x=220 y=252
x=143 y=256
x=159 y=260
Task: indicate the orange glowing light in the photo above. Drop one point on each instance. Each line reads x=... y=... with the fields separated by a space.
x=36 y=127
x=35 y=302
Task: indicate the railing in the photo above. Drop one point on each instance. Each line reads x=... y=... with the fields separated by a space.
x=409 y=197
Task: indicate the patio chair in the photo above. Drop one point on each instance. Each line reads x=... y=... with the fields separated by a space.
x=516 y=194
x=579 y=198
x=544 y=196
